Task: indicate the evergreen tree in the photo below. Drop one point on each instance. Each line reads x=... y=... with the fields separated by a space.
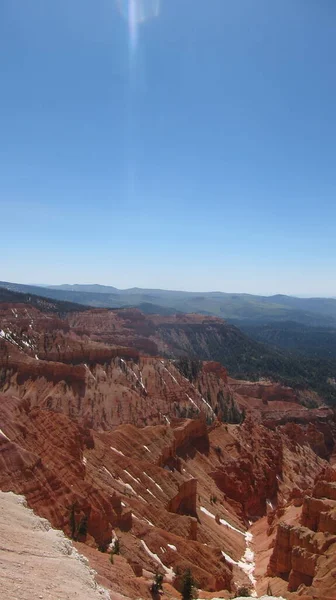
x=188 y=590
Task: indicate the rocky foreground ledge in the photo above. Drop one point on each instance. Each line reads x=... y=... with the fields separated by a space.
x=38 y=562
x=260 y=598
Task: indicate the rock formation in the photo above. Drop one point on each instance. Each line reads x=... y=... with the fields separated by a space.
x=305 y=555
x=172 y=458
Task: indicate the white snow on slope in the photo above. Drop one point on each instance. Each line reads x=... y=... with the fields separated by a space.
x=208 y=405
x=108 y=472
x=127 y=486
x=152 y=480
x=151 y=493
x=222 y=521
x=229 y=559
x=134 y=374
x=5 y=436
x=172 y=376
x=168 y=571
x=90 y=373
x=131 y=476
x=192 y=401
x=246 y=563
x=118 y=451
x=172 y=547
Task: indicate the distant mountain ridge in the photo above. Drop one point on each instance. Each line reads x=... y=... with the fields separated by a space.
x=194 y=336
x=316 y=312
x=48 y=305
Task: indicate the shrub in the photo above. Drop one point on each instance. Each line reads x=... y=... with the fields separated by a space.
x=188 y=588
x=156 y=586
x=243 y=592
x=83 y=526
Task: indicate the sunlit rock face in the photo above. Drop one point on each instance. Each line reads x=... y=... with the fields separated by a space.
x=107 y=437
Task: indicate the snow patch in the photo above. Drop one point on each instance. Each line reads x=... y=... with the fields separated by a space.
x=168 y=571
x=113 y=541
x=118 y=451
x=208 y=405
x=246 y=563
x=229 y=559
x=143 y=499
x=207 y=512
x=108 y=472
x=92 y=375
x=192 y=401
x=172 y=376
x=131 y=476
x=127 y=486
x=140 y=382
x=142 y=520
x=223 y=522
x=4 y=435
x=8 y=337
x=157 y=485
x=172 y=547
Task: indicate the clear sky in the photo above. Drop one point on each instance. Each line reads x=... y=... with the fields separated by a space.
x=190 y=146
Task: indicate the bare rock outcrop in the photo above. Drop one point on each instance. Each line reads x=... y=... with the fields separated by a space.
x=301 y=554
x=184 y=503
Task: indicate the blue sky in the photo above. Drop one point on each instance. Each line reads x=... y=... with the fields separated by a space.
x=193 y=151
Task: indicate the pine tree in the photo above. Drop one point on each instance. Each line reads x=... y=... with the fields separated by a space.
x=188 y=589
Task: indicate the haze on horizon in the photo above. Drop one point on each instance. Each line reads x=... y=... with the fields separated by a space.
x=161 y=144
x=155 y=288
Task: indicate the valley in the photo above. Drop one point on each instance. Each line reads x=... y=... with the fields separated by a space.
x=110 y=437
